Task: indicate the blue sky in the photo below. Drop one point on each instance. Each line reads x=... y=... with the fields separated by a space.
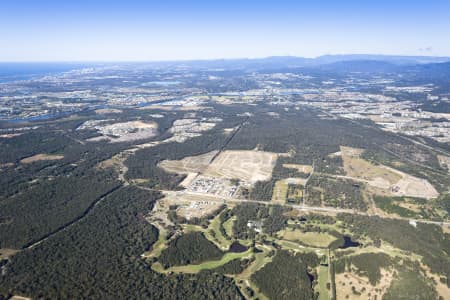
x=64 y=30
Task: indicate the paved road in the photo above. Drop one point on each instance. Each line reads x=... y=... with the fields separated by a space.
x=210 y=197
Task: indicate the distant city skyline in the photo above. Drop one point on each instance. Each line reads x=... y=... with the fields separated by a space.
x=137 y=30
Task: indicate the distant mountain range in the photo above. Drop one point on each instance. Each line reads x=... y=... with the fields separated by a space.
x=327 y=63
x=351 y=62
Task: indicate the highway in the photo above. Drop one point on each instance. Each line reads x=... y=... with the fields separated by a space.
x=193 y=196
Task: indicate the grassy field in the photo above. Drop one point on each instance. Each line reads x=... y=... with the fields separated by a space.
x=192 y=269
x=313 y=239
x=260 y=260
x=288 y=245
x=359 y=168
x=160 y=244
x=383 y=177
x=322 y=285
x=389 y=250
x=295 y=193
x=392 y=205
x=228 y=226
x=190 y=228
x=280 y=192
x=218 y=237
x=257 y=294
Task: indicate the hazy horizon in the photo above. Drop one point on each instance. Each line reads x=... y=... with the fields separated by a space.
x=103 y=31
x=214 y=59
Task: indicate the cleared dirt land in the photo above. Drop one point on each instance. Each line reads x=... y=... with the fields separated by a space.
x=349 y=282
x=108 y=111
x=248 y=166
x=385 y=180
x=6 y=252
x=189 y=164
x=121 y=132
x=300 y=168
x=190 y=206
x=444 y=161
x=39 y=157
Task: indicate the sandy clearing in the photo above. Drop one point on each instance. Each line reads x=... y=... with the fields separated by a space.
x=108 y=111
x=249 y=166
x=444 y=161
x=121 y=132
x=9 y=135
x=198 y=209
x=294 y=180
x=379 y=182
x=39 y=157
x=227 y=131
x=6 y=165
x=347 y=280
x=7 y=252
x=188 y=180
x=335 y=154
x=189 y=206
x=390 y=181
x=130 y=131
x=300 y=168
x=189 y=164
x=16 y=297
x=446 y=229
x=414 y=187
x=273 y=114
x=177 y=107
x=442 y=289
x=98 y=139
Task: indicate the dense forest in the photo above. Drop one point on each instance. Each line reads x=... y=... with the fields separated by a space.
x=103 y=252
x=342 y=193
x=287 y=277
x=268 y=218
x=235 y=266
x=190 y=248
x=107 y=231
x=51 y=205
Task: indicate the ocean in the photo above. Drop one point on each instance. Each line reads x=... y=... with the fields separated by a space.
x=23 y=71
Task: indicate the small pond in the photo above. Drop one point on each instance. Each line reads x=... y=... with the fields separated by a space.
x=348 y=243
x=237 y=247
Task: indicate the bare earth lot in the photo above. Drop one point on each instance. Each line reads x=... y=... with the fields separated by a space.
x=121 y=132
x=347 y=280
x=189 y=164
x=190 y=206
x=248 y=166
x=41 y=156
x=385 y=180
x=300 y=168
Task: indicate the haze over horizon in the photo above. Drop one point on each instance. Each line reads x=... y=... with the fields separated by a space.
x=176 y=30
